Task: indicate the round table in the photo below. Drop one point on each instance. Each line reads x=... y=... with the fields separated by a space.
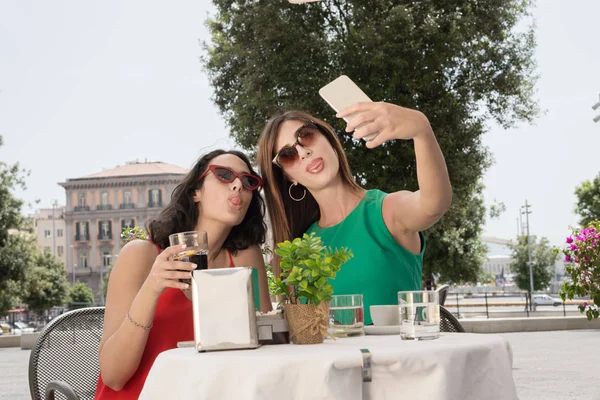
x=455 y=366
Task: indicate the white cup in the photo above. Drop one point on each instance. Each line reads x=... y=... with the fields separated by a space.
x=385 y=315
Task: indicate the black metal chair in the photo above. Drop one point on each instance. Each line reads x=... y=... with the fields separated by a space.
x=442 y=293
x=64 y=360
x=448 y=322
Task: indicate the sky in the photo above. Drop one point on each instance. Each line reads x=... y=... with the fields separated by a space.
x=87 y=86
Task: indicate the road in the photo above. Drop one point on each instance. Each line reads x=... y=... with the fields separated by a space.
x=473 y=307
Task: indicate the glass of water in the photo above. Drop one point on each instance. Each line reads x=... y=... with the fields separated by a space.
x=419 y=314
x=346 y=315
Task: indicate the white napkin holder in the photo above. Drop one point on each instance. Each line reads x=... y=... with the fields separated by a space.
x=223 y=308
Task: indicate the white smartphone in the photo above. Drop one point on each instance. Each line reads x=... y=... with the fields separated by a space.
x=341 y=93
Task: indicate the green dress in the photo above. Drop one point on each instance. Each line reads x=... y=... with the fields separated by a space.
x=380 y=267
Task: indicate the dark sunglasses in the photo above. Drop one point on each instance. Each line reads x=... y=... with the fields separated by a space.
x=305 y=136
x=227 y=175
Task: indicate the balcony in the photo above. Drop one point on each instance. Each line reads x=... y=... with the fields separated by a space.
x=104 y=207
x=82 y=238
x=102 y=236
x=155 y=204
x=79 y=271
x=124 y=206
x=81 y=208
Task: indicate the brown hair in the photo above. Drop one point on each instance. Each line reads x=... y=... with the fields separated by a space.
x=290 y=218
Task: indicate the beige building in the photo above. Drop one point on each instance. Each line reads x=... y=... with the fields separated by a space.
x=100 y=205
x=49 y=230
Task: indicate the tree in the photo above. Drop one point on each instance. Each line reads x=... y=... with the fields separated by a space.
x=81 y=294
x=486 y=277
x=17 y=256
x=16 y=251
x=462 y=63
x=11 y=178
x=46 y=284
x=543 y=258
x=588 y=201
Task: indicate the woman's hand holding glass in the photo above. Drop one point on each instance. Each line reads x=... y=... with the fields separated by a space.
x=166 y=272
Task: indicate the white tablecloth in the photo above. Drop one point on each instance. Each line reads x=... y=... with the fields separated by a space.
x=456 y=366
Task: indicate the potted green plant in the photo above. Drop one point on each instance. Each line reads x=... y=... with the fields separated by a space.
x=306 y=268
x=582 y=259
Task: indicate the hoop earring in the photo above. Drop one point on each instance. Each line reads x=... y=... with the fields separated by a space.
x=292 y=197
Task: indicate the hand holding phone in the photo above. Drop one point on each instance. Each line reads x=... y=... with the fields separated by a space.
x=341 y=93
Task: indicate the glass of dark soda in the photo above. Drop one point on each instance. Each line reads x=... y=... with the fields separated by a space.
x=196 y=248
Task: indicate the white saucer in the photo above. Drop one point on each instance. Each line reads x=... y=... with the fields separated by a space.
x=382 y=330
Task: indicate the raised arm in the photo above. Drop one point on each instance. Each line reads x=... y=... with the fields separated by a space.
x=417 y=211
x=405 y=211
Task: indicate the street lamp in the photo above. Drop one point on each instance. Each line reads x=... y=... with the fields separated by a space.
x=73 y=258
x=106 y=257
x=54 y=203
x=527 y=206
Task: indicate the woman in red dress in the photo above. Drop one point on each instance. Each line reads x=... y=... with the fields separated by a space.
x=148 y=309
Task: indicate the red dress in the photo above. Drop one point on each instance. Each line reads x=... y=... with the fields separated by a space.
x=172 y=323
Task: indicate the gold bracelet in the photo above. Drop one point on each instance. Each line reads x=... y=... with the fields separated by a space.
x=146 y=328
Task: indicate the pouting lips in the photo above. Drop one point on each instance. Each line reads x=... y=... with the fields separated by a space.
x=315 y=166
x=236 y=200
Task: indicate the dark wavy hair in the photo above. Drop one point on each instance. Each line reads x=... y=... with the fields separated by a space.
x=181 y=214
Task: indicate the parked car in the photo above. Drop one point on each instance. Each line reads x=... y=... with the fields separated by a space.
x=545 y=300
x=20 y=327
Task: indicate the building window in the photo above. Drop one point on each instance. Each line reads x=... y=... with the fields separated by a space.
x=104 y=202
x=155 y=198
x=127 y=223
x=60 y=251
x=82 y=231
x=81 y=200
x=104 y=230
x=83 y=260
x=59 y=233
x=127 y=200
x=47 y=233
x=106 y=257
x=46 y=249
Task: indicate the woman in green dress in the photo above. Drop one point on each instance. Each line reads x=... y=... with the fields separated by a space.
x=309 y=188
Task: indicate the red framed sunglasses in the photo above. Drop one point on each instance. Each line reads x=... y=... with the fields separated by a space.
x=227 y=175
x=305 y=136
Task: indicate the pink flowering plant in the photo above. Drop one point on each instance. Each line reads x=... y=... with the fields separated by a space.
x=130 y=234
x=582 y=258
